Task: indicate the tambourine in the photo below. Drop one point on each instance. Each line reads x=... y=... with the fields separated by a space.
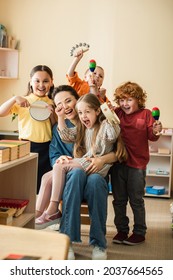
x=39 y=111
x=110 y=115
x=83 y=46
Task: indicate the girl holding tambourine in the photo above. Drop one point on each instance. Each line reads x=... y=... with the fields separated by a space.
x=35 y=115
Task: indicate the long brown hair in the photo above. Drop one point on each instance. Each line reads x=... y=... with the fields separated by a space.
x=93 y=103
x=120 y=150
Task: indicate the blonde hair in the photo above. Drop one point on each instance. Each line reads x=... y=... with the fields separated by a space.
x=93 y=103
x=130 y=89
x=88 y=70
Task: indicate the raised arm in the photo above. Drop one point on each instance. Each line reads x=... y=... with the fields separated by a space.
x=67 y=134
x=60 y=110
x=77 y=58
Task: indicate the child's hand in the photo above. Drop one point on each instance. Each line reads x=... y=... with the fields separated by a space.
x=21 y=101
x=112 y=107
x=91 y=81
x=102 y=93
x=64 y=159
x=50 y=108
x=157 y=127
x=79 y=54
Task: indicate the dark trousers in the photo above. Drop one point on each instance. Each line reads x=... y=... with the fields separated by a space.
x=128 y=185
x=43 y=159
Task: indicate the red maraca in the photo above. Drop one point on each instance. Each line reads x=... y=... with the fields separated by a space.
x=92 y=65
x=156 y=113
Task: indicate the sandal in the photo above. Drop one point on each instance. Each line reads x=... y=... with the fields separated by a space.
x=46 y=220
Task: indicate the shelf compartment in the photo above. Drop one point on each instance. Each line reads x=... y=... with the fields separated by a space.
x=18 y=180
x=159 y=181
x=9 y=60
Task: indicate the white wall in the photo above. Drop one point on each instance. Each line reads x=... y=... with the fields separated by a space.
x=131 y=39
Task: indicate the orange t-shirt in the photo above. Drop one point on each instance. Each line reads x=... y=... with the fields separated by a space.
x=82 y=86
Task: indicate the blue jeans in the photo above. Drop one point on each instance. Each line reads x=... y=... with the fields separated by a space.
x=94 y=190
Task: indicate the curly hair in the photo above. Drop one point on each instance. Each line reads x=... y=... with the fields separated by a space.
x=130 y=89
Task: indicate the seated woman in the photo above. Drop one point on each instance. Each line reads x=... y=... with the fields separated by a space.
x=79 y=186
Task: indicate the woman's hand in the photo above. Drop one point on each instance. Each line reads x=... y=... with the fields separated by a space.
x=60 y=110
x=95 y=165
x=64 y=159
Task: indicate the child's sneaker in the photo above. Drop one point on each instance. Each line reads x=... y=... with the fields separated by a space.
x=71 y=255
x=99 y=253
x=120 y=237
x=134 y=239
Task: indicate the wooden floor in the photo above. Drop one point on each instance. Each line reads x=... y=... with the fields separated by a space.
x=159 y=238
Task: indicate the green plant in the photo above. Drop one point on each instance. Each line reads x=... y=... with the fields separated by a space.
x=14 y=116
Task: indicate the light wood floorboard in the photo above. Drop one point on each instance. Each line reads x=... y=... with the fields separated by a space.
x=159 y=238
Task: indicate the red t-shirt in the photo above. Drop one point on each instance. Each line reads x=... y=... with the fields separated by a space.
x=136 y=130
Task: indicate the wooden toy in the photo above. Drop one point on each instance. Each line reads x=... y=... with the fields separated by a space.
x=39 y=111
x=6 y=215
x=17 y=205
x=92 y=65
x=110 y=115
x=156 y=113
x=4 y=154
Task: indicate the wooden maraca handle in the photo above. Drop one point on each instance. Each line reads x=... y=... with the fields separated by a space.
x=38 y=106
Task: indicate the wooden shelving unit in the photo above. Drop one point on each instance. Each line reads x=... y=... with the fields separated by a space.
x=9 y=61
x=18 y=180
x=159 y=168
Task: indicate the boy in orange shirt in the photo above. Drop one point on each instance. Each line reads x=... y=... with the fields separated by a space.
x=91 y=83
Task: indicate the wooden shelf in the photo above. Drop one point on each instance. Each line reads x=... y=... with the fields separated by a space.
x=9 y=60
x=23 y=219
x=163 y=162
x=18 y=180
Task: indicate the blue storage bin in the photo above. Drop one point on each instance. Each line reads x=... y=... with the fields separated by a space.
x=157 y=190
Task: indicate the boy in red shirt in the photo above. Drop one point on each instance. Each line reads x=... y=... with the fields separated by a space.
x=128 y=178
